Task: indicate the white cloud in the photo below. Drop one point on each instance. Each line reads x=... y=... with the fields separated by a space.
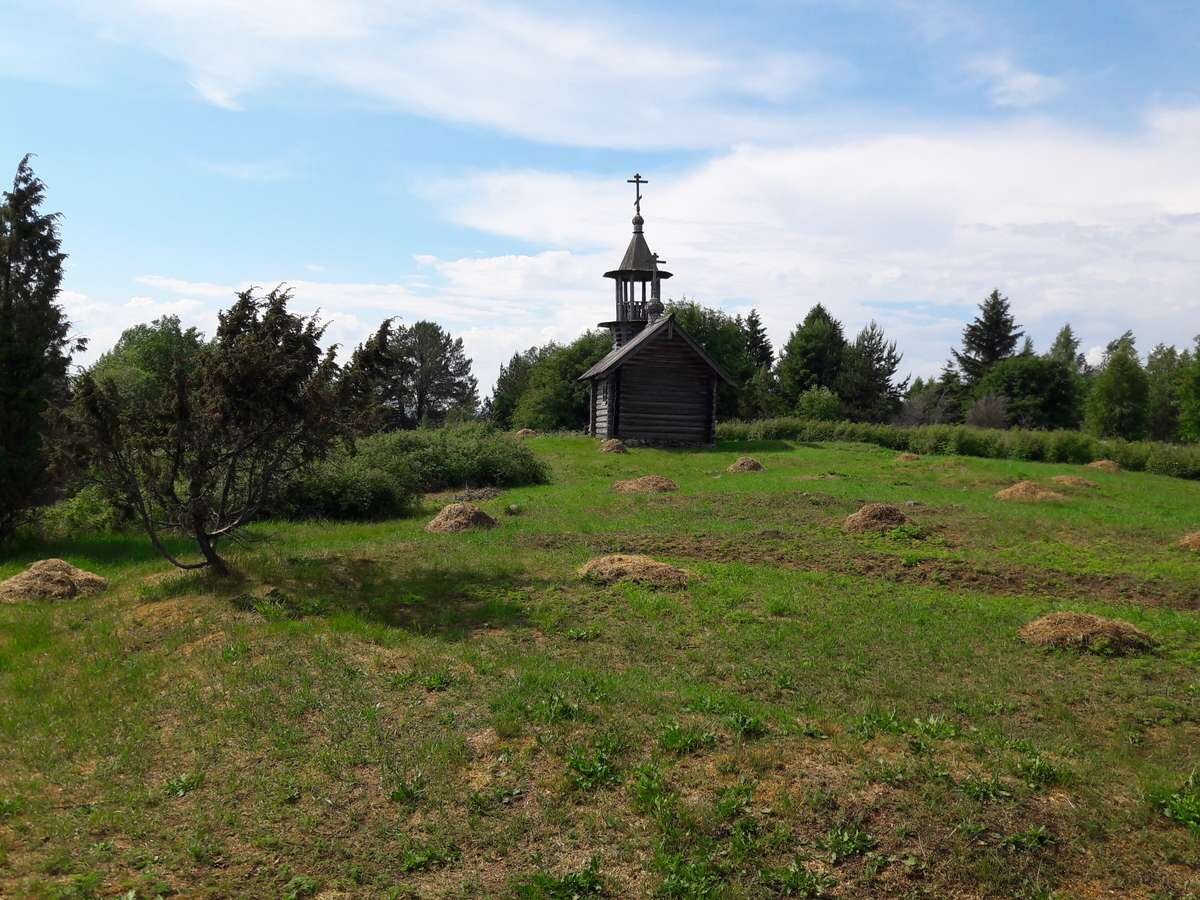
x=1012 y=87
x=521 y=70
x=911 y=229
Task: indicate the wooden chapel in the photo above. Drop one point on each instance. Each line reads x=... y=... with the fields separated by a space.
x=657 y=385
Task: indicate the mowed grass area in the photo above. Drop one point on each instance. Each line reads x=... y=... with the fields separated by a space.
x=375 y=711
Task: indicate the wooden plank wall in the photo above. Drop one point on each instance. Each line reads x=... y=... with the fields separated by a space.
x=666 y=394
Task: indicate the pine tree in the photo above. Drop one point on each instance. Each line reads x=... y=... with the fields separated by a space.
x=867 y=385
x=34 y=348
x=410 y=376
x=991 y=337
x=813 y=355
x=758 y=345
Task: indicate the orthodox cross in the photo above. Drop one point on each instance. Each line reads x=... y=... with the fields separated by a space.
x=637 y=181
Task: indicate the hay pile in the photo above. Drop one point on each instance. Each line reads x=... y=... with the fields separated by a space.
x=876 y=517
x=459 y=517
x=634 y=569
x=526 y=432
x=746 y=464
x=1074 y=481
x=1083 y=631
x=1191 y=541
x=51 y=579
x=647 y=484
x=612 y=445
x=1104 y=465
x=907 y=457
x=1028 y=492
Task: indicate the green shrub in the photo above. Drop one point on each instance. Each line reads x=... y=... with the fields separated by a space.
x=381 y=476
x=90 y=511
x=819 y=403
x=1178 y=460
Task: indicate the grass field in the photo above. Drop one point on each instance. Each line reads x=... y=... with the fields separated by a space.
x=376 y=711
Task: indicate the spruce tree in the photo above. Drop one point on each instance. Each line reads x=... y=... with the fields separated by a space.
x=34 y=348
x=813 y=355
x=991 y=337
x=758 y=345
x=867 y=386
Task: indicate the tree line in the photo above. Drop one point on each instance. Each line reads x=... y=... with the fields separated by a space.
x=195 y=435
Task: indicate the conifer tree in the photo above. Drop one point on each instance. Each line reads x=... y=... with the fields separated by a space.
x=34 y=348
x=867 y=386
x=758 y=345
x=813 y=355
x=991 y=337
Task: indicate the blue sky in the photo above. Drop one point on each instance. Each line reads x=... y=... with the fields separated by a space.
x=465 y=161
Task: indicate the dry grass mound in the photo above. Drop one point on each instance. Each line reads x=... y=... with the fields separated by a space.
x=51 y=579
x=612 y=445
x=1191 y=541
x=1104 y=465
x=526 y=432
x=746 y=464
x=634 y=569
x=1074 y=481
x=1083 y=631
x=876 y=517
x=1029 y=492
x=647 y=484
x=459 y=517
x=908 y=457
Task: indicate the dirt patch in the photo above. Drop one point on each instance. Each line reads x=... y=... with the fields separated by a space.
x=526 y=432
x=459 y=517
x=51 y=579
x=208 y=642
x=1074 y=481
x=634 y=569
x=958 y=575
x=1028 y=492
x=1083 y=631
x=647 y=484
x=612 y=445
x=477 y=495
x=908 y=457
x=746 y=464
x=875 y=517
x=1104 y=465
x=1191 y=541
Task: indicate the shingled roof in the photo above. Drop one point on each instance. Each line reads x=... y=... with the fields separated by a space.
x=638 y=259
x=619 y=355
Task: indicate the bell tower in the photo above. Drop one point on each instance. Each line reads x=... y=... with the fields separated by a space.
x=637 y=274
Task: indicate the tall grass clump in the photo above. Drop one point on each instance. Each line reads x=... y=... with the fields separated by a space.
x=1178 y=460
x=381 y=475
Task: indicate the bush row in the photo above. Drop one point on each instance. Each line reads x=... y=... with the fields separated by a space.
x=1179 y=460
x=382 y=475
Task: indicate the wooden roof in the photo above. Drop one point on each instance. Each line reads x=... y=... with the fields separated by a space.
x=619 y=355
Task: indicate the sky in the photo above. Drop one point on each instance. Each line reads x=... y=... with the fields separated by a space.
x=466 y=162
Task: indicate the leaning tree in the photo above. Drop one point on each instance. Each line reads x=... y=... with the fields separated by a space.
x=208 y=447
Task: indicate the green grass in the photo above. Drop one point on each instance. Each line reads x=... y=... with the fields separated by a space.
x=378 y=711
